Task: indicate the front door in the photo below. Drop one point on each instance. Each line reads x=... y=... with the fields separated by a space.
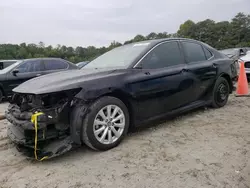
x=162 y=83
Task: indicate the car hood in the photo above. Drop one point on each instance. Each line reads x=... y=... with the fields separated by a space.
x=65 y=80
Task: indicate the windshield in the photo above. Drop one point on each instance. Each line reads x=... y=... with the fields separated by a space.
x=120 y=57
x=7 y=69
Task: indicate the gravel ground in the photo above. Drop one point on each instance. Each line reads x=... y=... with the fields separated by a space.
x=204 y=148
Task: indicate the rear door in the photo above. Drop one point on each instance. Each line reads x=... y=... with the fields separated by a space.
x=162 y=84
x=200 y=67
x=55 y=65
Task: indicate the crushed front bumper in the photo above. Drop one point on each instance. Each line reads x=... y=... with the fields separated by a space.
x=51 y=141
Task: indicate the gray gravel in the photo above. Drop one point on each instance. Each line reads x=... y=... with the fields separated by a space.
x=204 y=148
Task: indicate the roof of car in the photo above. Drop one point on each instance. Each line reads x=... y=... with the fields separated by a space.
x=155 y=41
x=43 y=58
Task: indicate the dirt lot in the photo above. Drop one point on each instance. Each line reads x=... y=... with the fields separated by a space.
x=204 y=148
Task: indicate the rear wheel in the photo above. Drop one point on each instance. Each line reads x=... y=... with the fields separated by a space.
x=248 y=78
x=106 y=124
x=1 y=95
x=220 y=93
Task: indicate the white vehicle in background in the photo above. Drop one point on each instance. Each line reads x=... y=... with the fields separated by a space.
x=235 y=54
x=246 y=60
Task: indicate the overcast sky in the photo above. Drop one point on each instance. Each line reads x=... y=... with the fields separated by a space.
x=99 y=22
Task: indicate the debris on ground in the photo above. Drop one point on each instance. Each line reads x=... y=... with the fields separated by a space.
x=203 y=148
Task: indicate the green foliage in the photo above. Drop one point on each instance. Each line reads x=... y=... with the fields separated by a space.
x=219 y=35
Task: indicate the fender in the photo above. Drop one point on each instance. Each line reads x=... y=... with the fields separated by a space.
x=84 y=100
x=95 y=91
x=1 y=88
x=228 y=78
x=76 y=121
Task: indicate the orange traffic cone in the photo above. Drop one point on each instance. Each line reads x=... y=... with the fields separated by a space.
x=242 y=87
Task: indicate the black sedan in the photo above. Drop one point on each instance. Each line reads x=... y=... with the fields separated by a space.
x=6 y=63
x=23 y=70
x=121 y=89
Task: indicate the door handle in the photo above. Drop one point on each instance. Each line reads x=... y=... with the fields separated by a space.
x=38 y=74
x=147 y=73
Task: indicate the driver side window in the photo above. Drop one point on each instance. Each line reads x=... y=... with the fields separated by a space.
x=30 y=66
x=25 y=67
x=165 y=55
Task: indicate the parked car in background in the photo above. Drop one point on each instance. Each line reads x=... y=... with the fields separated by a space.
x=246 y=60
x=234 y=53
x=6 y=63
x=125 y=87
x=24 y=70
x=82 y=64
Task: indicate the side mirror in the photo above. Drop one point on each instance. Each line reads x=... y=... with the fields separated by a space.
x=15 y=71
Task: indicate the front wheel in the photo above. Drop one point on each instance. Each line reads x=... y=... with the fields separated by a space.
x=106 y=123
x=220 y=93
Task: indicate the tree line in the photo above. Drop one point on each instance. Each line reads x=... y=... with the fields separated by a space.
x=220 y=35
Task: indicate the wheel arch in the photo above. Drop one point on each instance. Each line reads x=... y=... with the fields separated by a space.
x=1 y=88
x=229 y=80
x=80 y=110
x=126 y=99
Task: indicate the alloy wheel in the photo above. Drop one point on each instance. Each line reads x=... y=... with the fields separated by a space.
x=109 y=124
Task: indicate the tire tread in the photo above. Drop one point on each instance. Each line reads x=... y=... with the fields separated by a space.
x=218 y=81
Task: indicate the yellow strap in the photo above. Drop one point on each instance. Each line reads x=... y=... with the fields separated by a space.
x=34 y=121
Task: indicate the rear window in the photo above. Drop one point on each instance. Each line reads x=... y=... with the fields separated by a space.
x=208 y=53
x=193 y=52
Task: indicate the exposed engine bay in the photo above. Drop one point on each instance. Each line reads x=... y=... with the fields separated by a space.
x=51 y=136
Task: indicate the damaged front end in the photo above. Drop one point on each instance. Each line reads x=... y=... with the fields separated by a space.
x=52 y=136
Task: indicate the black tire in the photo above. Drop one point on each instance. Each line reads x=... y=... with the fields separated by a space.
x=248 y=78
x=88 y=136
x=221 y=93
x=1 y=96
